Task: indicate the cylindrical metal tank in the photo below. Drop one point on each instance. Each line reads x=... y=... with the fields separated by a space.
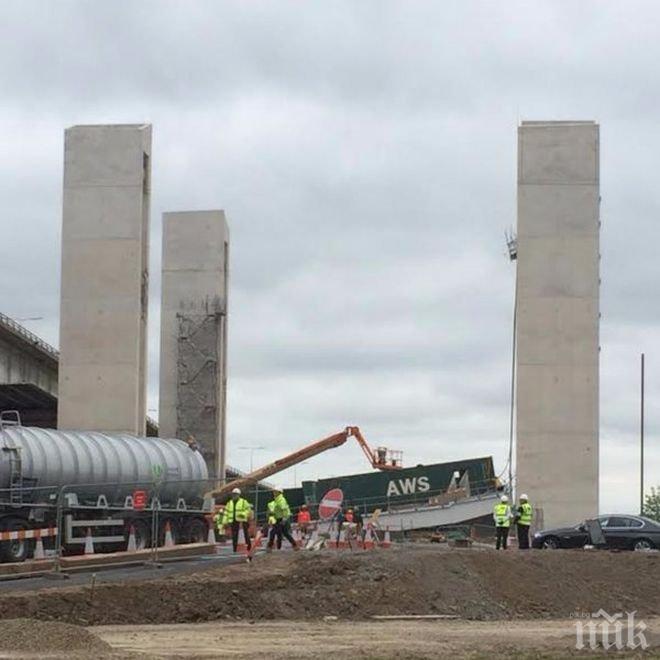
x=57 y=458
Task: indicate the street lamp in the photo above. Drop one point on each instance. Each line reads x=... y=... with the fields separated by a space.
x=252 y=449
x=295 y=480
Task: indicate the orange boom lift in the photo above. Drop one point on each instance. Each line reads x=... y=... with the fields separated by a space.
x=380 y=459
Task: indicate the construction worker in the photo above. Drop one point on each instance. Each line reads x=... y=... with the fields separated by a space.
x=304 y=520
x=236 y=516
x=350 y=527
x=282 y=514
x=273 y=531
x=217 y=519
x=502 y=517
x=523 y=521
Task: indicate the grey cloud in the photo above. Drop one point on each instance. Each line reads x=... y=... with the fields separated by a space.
x=365 y=154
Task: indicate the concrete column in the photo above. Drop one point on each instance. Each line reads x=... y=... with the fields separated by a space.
x=105 y=247
x=193 y=348
x=558 y=318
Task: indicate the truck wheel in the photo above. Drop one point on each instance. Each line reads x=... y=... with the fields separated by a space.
x=18 y=550
x=196 y=531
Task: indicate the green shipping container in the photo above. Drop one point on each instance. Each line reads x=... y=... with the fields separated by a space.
x=379 y=489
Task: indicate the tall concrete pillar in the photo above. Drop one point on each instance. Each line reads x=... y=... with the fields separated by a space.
x=105 y=247
x=558 y=318
x=193 y=345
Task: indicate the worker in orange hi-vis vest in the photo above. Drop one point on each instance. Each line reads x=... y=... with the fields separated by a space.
x=304 y=520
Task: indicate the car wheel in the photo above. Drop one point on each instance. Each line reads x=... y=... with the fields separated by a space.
x=550 y=543
x=643 y=545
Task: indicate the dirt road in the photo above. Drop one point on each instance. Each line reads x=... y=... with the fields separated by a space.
x=343 y=640
x=469 y=584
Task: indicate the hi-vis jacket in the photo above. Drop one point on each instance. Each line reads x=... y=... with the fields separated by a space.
x=502 y=514
x=238 y=511
x=281 y=508
x=271 y=512
x=525 y=514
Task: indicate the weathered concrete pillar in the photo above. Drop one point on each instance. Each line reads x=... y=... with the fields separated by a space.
x=105 y=244
x=193 y=349
x=558 y=318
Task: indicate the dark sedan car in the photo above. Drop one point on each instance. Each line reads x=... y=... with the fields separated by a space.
x=620 y=531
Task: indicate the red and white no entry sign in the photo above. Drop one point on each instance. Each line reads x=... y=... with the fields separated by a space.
x=330 y=503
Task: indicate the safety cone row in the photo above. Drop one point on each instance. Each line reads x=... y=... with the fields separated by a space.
x=332 y=541
x=313 y=539
x=132 y=543
x=242 y=545
x=39 y=547
x=342 y=544
x=369 y=540
x=210 y=537
x=169 y=540
x=89 y=542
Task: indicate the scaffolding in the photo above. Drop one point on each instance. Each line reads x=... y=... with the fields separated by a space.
x=201 y=377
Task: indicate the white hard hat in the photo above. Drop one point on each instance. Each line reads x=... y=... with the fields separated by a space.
x=236 y=491
x=504 y=498
x=524 y=497
x=277 y=489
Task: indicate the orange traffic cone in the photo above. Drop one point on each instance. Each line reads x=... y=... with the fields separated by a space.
x=89 y=542
x=387 y=542
x=332 y=541
x=132 y=543
x=169 y=540
x=210 y=539
x=39 y=547
x=313 y=538
x=242 y=545
x=369 y=540
x=223 y=534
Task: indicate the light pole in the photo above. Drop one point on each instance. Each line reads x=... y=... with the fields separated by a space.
x=295 y=473
x=512 y=246
x=252 y=449
x=641 y=441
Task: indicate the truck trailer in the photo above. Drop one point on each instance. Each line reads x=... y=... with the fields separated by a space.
x=64 y=486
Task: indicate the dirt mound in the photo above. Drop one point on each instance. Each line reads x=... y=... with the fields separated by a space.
x=31 y=636
x=471 y=584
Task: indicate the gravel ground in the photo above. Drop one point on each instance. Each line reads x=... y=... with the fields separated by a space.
x=43 y=637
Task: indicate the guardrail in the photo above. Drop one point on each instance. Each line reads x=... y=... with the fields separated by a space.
x=28 y=336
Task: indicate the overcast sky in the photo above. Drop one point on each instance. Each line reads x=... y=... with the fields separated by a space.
x=365 y=155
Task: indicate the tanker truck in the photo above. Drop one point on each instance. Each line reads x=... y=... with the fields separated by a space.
x=62 y=485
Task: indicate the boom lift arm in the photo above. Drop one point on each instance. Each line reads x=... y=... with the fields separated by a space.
x=380 y=459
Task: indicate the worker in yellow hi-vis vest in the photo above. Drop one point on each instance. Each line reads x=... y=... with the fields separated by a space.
x=502 y=517
x=523 y=521
x=237 y=515
x=281 y=513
